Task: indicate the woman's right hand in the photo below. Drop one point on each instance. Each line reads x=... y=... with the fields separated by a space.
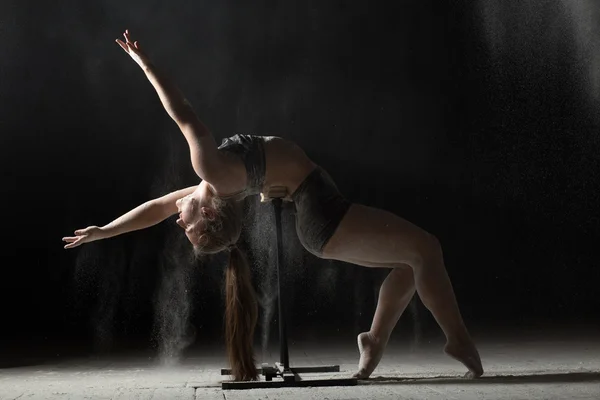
x=86 y=235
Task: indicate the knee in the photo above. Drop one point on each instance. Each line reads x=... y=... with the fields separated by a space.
x=428 y=252
x=404 y=272
x=433 y=245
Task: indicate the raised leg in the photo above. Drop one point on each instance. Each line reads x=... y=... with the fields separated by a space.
x=379 y=237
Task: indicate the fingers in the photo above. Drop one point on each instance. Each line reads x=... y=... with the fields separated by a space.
x=72 y=241
x=129 y=46
x=123 y=45
x=74 y=244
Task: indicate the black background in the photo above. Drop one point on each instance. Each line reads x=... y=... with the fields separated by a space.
x=477 y=120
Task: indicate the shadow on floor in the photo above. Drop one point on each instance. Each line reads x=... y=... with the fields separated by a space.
x=563 y=377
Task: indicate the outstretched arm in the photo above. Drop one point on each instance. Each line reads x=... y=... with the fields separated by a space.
x=143 y=216
x=206 y=159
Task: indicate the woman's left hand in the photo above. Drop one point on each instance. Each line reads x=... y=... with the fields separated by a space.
x=133 y=49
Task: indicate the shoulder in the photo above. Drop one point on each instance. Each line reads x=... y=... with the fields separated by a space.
x=231 y=177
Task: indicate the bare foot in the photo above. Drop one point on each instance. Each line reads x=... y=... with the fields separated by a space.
x=466 y=353
x=371 y=350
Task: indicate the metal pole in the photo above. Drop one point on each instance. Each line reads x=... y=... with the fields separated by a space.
x=284 y=357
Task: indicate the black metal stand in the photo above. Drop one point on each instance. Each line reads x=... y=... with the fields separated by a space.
x=285 y=375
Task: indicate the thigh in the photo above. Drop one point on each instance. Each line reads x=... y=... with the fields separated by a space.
x=374 y=236
x=368 y=264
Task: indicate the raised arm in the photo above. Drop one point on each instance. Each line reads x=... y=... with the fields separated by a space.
x=143 y=216
x=207 y=161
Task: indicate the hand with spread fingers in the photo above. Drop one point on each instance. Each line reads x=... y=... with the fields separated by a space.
x=89 y=234
x=133 y=49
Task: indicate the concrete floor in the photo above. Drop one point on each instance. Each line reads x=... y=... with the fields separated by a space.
x=557 y=367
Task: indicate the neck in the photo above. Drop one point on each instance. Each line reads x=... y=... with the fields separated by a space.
x=209 y=190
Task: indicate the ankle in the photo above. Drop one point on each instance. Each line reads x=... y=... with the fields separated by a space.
x=376 y=337
x=459 y=340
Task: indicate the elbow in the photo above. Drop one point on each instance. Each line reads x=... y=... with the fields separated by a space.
x=208 y=167
x=204 y=172
x=198 y=166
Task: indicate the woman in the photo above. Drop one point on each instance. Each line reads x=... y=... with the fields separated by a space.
x=327 y=224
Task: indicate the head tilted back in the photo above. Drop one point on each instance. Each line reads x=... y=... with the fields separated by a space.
x=223 y=230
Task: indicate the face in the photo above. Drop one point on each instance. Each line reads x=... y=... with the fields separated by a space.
x=195 y=212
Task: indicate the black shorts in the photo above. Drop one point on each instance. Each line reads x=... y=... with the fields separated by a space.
x=320 y=207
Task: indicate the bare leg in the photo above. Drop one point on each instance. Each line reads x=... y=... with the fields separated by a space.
x=379 y=237
x=396 y=291
x=437 y=294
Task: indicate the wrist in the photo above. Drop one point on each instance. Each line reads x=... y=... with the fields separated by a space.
x=147 y=66
x=105 y=232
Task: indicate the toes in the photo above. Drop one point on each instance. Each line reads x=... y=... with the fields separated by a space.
x=361 y=374
x=472 y=375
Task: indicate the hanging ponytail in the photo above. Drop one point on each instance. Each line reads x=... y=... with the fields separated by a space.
x=241 y=309
x=241 y=313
